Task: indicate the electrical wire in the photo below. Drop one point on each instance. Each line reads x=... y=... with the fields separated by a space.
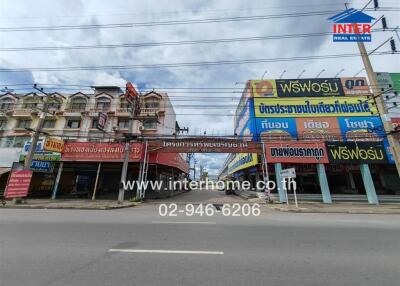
x=177 y=22
x=174 y=43
x=188 y=64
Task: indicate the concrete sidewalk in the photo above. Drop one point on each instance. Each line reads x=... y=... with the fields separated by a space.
x=338 y=207
x=70 y=204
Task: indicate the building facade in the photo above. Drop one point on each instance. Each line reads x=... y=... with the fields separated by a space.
x=74 y=118
x=328 y=129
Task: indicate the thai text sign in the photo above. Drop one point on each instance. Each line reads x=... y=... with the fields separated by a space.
x=54 y=144
x=314 y=107
x=203 y=145
x=42 y=166
x=294 y=152
x=355 y=86
x=276 y=128
x=316 y=87
x=18 y=184
x=318 y=128
x=43 y=156
x=242 y=161
x=100 y=152
x=356 y=152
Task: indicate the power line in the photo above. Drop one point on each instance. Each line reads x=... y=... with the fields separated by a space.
x=188 y=64
x=173 y=43
x=177 y=22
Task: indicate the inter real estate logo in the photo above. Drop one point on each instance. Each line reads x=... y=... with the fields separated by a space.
x=352 y=26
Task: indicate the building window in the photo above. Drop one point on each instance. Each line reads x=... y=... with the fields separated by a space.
x=7 y=104
x=16 y=141
x=103 y=104
x=77 y=104
x=73 y=123
x=49 y=124
x=54 y=105
x=24 y=123
x=123 y=123
x=152 y=104
x=124 y=103
x=20 y=141
x=95 y=121
x=30 y=103
x=150 y=124
x=3 y=123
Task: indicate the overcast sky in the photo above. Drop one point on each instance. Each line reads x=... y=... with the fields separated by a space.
x=75 y=12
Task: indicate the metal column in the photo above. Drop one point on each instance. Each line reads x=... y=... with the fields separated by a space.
x=369 y=184
x=323 y=183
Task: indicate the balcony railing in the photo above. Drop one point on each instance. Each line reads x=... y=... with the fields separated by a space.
x=24 y=112
x=75 y=110
x=149 y=111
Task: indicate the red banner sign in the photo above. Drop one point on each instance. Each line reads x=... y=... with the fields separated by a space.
x=100 y=152
x=169 y=159
x=294 y=152
x=18 y=184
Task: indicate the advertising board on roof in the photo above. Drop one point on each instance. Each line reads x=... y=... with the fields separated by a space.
x=314 y=107
x=315 y=87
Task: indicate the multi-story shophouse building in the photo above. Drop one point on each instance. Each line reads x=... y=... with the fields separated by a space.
x=74 y=118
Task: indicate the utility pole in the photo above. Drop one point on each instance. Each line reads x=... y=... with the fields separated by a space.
x=387 y=125
x=37 y=131
x=131 y=93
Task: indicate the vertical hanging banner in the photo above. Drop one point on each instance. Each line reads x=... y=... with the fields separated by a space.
x=102 y=121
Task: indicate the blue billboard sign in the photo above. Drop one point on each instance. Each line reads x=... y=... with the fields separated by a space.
x=366 y=127
x=276 y=128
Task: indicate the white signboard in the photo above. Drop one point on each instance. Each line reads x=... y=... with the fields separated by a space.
x=288 y=173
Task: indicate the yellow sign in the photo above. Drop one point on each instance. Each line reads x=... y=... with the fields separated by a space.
x=314 y=107
x=263 y=88
x=53 y=144
x=242 y=161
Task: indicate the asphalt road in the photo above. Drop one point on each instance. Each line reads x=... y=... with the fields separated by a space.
x=70 y=247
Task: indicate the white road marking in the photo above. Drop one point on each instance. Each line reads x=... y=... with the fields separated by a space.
x=183 y=222
x=166 y=251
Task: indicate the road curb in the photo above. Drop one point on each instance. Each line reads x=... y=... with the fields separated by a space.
x=68 y=207
x=335 y=211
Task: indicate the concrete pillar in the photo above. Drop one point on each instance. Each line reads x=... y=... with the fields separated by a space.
x=368 y=184
x=57 y=182
x=323 y=183
x=279 y=184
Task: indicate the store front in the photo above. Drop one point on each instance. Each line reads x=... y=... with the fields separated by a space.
x=94 y=169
